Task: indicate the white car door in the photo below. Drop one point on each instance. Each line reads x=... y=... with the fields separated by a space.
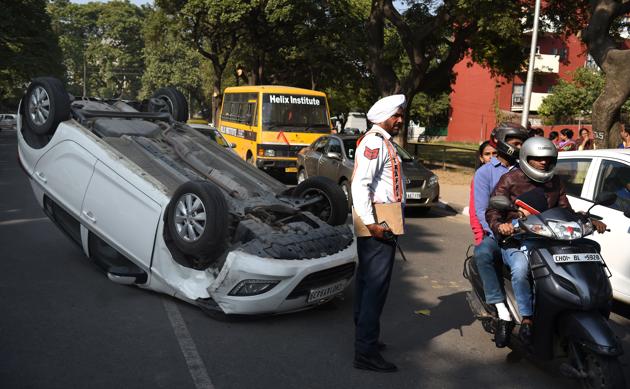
x=614 y=176
x=577 y=175
x=121 y=214
x=64 y=172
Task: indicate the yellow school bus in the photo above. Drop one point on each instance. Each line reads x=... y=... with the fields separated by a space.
x=270 y=124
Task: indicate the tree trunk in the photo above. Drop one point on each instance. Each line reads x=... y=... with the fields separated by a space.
x=616 y=91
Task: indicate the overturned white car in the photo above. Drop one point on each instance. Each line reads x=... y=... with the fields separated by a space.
x=155 y=203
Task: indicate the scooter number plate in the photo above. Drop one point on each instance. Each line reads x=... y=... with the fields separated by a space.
x=571 y=258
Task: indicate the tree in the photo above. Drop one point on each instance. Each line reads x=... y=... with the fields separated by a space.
x=569 y=99
x=101 y=42
x=28 y=48
x=170 y=61
x=599 y=22
x=436 y=35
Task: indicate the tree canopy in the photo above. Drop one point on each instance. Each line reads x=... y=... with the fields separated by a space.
x=28 y=48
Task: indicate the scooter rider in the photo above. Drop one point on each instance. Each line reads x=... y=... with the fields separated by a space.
x=506 y=138
x=537 y=161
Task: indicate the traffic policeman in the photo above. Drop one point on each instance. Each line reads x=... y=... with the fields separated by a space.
x=378 y=178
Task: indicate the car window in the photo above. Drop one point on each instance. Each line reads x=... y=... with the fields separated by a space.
x=614 y=177
x=573 y=172
x=404 y=155
x=334 y=146
x=320 y=145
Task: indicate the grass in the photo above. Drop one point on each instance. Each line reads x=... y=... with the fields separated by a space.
x=445 y=153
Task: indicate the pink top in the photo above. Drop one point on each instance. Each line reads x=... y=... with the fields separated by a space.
x=477 y=229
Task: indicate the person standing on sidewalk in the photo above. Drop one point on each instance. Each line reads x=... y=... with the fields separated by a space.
x=377 y=178
x=507 y=138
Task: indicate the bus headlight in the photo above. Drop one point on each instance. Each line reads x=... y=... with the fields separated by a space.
x=270 y=153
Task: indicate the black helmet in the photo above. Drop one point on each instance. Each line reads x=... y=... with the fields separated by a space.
x=504 y=131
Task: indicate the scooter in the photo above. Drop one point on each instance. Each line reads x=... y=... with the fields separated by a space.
x=572 y=295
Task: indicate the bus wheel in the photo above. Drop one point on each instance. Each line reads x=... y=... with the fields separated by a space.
x=250 y=158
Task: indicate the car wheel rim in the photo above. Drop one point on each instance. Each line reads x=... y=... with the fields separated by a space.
x=190 y=217
x=344 y=188
x=301 y=177
x=39 y=106
x=169 y=105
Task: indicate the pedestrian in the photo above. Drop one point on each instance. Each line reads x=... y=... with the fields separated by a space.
x=486 y=153
x=377 y=179
x=625 y=138
x=553 y=137
x=584 y=141
x=566 y=140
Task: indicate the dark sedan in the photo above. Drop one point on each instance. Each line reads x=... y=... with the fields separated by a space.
x=332 y=156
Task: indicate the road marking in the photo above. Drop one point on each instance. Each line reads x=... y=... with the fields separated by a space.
x=20 y=221
x=195 y=364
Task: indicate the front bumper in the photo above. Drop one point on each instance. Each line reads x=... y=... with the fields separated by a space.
x=297 y=278
x=427 y=196
x=282 y=163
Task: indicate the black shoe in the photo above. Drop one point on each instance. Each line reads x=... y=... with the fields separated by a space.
x=503 y=332
x=381 y=345
x=374 y=362
x=525 y=333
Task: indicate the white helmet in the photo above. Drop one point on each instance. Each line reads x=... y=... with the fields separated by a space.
x=538 y=147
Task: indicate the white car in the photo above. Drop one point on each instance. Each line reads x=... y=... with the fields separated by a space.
x=588 y=174
x=153 y=203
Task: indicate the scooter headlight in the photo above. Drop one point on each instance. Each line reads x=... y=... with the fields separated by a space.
x=536 y=227
x=566 y=230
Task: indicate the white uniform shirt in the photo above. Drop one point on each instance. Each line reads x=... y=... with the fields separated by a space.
x=372 y=181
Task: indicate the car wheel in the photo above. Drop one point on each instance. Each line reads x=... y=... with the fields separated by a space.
x=333 y=206
x=347 y=190
x=47 y=105
x=301 y=177
x=175 y=103
x=197 y=221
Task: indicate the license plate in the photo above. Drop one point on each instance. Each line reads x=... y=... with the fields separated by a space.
x=570 y=258
x=414 y=195
x=325 y=291
x=290 y=170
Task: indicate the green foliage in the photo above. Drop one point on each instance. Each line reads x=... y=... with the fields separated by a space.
x=28 y=48
x=430 y=111
x=105 y=40
x=572 y=98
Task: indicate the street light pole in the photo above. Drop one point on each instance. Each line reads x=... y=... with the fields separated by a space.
x=530 y=68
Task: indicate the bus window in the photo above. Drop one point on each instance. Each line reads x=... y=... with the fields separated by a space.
x=294 y=113
x=240 y=108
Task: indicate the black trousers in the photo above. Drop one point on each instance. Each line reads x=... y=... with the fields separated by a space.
x=376 y=260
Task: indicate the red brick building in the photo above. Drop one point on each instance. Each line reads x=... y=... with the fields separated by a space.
x=477 y=96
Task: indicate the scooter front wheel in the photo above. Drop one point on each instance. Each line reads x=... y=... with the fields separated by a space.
x=603 y=372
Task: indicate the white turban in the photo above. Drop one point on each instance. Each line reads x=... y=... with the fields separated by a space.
x=385 y=108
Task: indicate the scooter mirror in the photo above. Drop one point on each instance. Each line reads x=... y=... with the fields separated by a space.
x=501 y=203
x=606 y=198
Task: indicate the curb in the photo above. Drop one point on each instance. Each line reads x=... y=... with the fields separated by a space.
x=457 y=208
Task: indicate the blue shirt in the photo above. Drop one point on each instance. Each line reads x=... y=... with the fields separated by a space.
x=486 y=178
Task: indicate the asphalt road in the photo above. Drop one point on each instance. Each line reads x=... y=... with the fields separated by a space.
x=64 y=325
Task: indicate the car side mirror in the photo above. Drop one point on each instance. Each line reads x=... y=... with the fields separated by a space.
x=501 y=203
x=232 y=145
x=606 y=199
x=333 y=155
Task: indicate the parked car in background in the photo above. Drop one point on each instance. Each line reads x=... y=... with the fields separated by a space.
x=7 y=121
x=357 y=120
x=154 y=204
x=332 y=156
x=588 y=174
x=214 y=134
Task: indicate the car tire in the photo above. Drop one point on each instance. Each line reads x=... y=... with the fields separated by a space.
x=333 y=209
x=176 y=103
x=197 y=220
x=47 y=105
x=347 y=191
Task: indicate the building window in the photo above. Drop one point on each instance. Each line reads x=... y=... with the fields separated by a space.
x=518 y=94
x=590 y=63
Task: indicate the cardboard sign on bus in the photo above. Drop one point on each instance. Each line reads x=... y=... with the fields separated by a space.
x=391 y=213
